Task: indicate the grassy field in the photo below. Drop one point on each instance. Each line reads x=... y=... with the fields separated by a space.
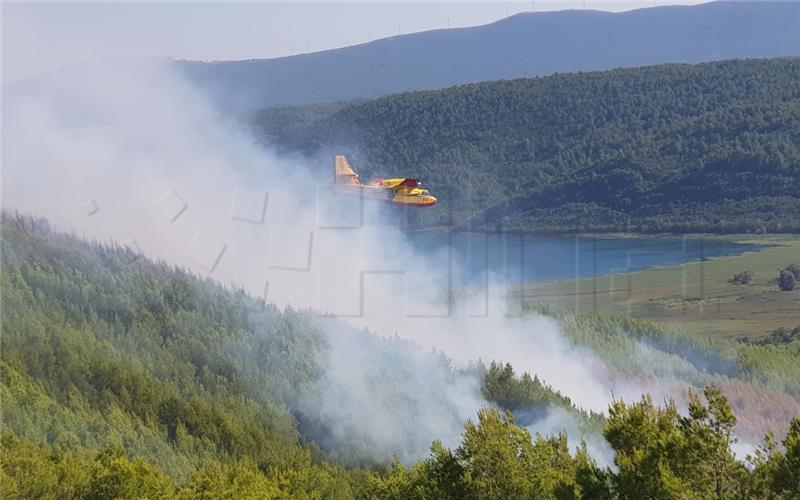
x=696 y=297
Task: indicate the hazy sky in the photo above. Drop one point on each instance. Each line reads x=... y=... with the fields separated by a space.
x=38 y=37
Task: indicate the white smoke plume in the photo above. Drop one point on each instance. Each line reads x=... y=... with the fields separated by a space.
x=144 y=162
x=386 y=397
x=558 y=421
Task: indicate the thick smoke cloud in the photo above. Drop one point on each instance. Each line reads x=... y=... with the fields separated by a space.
x=132 y=154
x=386 y=397
x=558 y=421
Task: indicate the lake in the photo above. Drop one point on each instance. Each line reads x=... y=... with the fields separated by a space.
x=529 y=258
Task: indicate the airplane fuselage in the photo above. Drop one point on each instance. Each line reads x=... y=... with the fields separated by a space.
x=416 y=197
x=403 y=191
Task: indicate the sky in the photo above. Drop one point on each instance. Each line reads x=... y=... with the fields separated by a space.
x=38 y=37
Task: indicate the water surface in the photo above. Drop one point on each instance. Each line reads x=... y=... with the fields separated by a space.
x=531 y=258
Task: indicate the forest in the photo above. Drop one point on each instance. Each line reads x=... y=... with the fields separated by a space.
x=710 y=147
x=123 y=377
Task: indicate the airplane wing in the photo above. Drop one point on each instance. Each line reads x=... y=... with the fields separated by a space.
x=400 y=184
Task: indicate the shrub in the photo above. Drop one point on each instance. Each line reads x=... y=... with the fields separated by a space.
x=742 y=278
x=787 y=281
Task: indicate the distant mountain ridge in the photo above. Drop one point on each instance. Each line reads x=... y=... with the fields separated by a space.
x=524 y=45
x=520 y=46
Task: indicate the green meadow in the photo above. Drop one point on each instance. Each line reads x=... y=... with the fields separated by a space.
x=696 y=297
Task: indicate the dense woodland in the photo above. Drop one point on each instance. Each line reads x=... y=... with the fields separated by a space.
x=127 y=378
x=684 y=148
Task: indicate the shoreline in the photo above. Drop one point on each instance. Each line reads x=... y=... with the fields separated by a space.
x=738 y=237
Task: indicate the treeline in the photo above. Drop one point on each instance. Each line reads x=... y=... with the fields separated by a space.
x=658 y=454
x=529 y=399
x=684 y=148
x=122 y=377
x=781 y=336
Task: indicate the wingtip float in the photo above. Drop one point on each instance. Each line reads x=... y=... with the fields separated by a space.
x=404 y=191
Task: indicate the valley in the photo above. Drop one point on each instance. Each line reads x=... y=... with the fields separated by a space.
x=552 y=255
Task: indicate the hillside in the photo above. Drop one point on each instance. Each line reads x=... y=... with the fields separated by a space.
x=126 y=377
x=103 y=349
x=523 y=45
x=123 y=377
x=685 y=148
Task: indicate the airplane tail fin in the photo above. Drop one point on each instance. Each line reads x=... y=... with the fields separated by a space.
x=345 y=175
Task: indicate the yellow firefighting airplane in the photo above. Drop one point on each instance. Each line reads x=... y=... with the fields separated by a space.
x=397 y=191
